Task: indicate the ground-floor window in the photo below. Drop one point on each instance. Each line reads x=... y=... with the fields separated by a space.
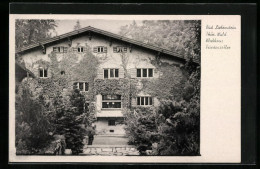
x=82 y=86
x=111 y=122
x=111 y=101
x=43 y=72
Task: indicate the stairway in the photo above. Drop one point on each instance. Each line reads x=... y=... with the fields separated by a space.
x=110 y=150
x=110 y=145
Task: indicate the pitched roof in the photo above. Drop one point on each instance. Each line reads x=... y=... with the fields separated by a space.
x=102 y=32
x=24 y=68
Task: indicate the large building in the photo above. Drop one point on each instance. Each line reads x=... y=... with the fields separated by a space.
x=110 y=70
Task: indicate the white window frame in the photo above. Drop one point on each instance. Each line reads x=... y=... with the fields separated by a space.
x=100 y=49
x=123 y=49
x=147 y=72
x=81 y=49
x=111 y=101
x=59 y=49
x=145 y=105
x=114 y=71
x=84 y=86
x=43 y=70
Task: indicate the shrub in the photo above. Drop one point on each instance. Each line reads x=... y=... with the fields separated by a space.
x=173 y=128
x=32 y=126
x=70 y=121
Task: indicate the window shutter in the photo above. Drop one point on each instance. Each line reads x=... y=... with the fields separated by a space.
x=39 y=72
x=133 y=72
x=156 y=73
x=156 y=102
x=95 y=49
x=75 y=85
x=75 y=49
x=84 y=49
x=105 y=50
x=115 y=49
x=65 y=50
x=100 y=74
x=99 y=102
x=121 y=73
x=134 y=102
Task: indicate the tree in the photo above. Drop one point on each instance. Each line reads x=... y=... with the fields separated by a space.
x=28 y=31
x=172 y=128
x=70 y=118
x=179 y=36
x=31 y=124
x=77 y=26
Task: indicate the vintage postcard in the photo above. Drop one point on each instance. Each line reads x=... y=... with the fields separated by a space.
x=125 y=88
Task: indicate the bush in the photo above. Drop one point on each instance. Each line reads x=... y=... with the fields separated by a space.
x=141 y=129
x=179 y=132
x=70 y=121
x=31 y=125
x=173 y=128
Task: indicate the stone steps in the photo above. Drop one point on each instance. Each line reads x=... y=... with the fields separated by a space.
x=110 y=150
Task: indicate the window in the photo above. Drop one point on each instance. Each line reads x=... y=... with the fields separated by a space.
x=120 y=49
x=111 y=73
x=60 y=49
x=138 y=73
x=80 y=49
x=111 y=131
x=111 y=122
x=62 y=72
x=100 y=49
x=43 y=72
x=82 y=86
x=150 y=72
x=144 y=101
x=111 y=101
x=144 y=72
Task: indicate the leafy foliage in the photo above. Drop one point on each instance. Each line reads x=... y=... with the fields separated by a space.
x=69 y=121
x=28 y=31
x=64 y=109
x=173 y=128
x=32 y=126
x=169 y=85
x=179 y=36
x=77 y=26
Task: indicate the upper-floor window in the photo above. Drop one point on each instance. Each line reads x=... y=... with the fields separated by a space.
x=43 y=72
x=100 y=49
x=82 y=86
x=144 y=101
x=80 y=49
x=111 y=101
x=120 y=49
x=144 y=73
x=60 y=49
x=111 y=73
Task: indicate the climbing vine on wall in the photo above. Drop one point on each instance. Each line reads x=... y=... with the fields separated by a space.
x=170 y=83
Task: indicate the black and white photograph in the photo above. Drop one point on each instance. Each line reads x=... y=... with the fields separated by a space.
x=94 y=87
x=124 y=88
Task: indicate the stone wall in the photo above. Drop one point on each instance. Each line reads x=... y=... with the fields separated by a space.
x=114 y=150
